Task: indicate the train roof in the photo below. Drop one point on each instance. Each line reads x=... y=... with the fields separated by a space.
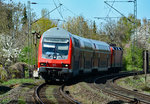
x=100 y=45
x=100 y=42
x=92 y=44
x=56 y=32
x=84 y=42
x=116 y=48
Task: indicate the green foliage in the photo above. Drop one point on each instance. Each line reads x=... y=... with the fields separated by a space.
x=3 y=74
x=5 y=18
x=149 y=40
x=24 y=19
x=23 y=56
x=17 y=81
x=135 y=82
x=42 y=25
x=78 y=26
x=13 y=72
x=119 y=32
x=94 y=28
x=44 y=13
x=26 y=56
x=5 y=101
x=26 y=73
x=21 y=101
x=133 y=60
x=128 y=27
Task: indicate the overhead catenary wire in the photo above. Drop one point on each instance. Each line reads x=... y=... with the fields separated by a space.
x=47 y=14
x=110 y=9
x=67 y=8
x=118 y=12
x=57 y=9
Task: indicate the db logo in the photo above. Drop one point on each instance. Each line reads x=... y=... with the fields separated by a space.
x=54 y=64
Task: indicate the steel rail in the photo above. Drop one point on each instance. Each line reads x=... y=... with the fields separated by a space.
x=37 y=97
x=123 y=96
x=61 y=89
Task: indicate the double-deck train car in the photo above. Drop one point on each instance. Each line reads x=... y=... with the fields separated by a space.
x=116 y=58
x=62 y=55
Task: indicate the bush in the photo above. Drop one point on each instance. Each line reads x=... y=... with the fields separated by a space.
x=3 y=74
x=26 y=56
x=18 y=70
x=133 y=61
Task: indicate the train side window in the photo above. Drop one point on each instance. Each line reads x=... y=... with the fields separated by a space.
x=101 y=47
x=87 y=45
x=76 y=41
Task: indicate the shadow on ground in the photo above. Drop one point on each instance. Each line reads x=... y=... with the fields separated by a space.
x=116 y=102
x=4 y=89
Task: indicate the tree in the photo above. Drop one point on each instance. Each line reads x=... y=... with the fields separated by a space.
x=129 y=63
x=44 y=13
x=78 y=26
x=94 y=28
x=24 y=18
x=12 y=38
x=128 y=25
x=42 y=25
x=85 y=28
x=5 y=18
x=120 y=32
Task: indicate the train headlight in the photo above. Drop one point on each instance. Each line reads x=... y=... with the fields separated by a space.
x=43 y=64
x=65 y=65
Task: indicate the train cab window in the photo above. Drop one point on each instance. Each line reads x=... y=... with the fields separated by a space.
x=57 y=49
x=76 y=42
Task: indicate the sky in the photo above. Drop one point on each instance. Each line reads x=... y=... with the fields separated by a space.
x=89 y=8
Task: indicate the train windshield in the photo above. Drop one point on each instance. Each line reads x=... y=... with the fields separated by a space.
x=55 y=49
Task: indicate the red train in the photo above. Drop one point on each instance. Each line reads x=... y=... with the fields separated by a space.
x=62 y=55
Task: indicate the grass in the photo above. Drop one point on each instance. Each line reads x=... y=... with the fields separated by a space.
x=87 y=95
x=50 y=95
x=136 y=82
x=25 y=85
x=5 y=101
x=17 y=81
x=20 y=101
x=146 y=88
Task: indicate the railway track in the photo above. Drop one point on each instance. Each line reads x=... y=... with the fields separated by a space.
x=60 y=95
x=108 y=85
x=66 y=96
x=105 y=83
x=39 y=95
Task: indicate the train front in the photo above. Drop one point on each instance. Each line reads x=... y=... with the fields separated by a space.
x=54 y=55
